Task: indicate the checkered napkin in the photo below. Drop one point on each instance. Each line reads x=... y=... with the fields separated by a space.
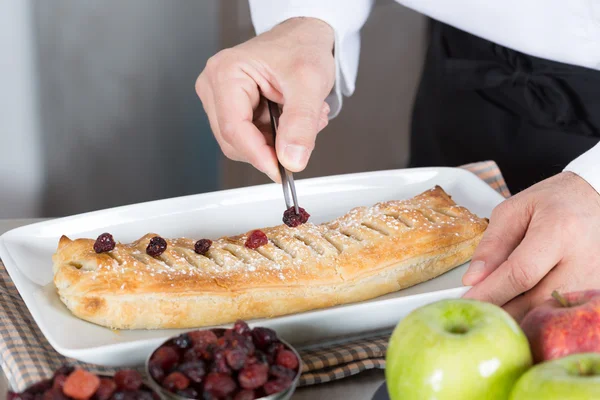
x=26 y=356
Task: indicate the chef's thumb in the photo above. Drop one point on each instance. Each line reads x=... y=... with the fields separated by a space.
x=298 y=127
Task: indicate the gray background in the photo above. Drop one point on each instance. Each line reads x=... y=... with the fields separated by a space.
x=98 y=108
x=113 y=115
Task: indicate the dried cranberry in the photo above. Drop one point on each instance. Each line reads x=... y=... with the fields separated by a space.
x=166 y=357
x=219 y=331
x=132 y=395
x=128 y=379
x=208 y=396
x=287 y=359
x=248 y=346
x=245 y=395
x=106 y=389
x=223 y=342
x=233 y=340
x=256 y=239
x=119 y=396
x=219 y=363
x=263 y=337
x=229 y=333
x=241 y=327
x=191 y=355
x=195 y=370
x=40 y=387
x=275 y=348
x=81 y=384
x=253 y=376
x=261 y=357
x=141 y=395
x=276 y=386
x=202 y=246
x=220 y=385
x=156 y=247
x=175 y=381
x=104 y=243
x=208 y=352
x=277 y=371
x=291 y=219
x=52 y=394
x=236 y=358
x=202 y=337
x=59 y=381
x=156 y=372
x=188 y=393
x=251 y=360
x=182 y=341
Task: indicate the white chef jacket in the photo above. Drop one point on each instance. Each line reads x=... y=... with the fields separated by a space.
x=566 y=31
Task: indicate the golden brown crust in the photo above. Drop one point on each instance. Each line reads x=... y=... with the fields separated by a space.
x=366 y=253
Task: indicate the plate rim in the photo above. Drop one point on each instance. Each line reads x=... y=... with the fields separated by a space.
x=299 y=182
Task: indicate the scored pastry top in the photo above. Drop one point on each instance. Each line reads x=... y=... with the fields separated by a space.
x=364 y=240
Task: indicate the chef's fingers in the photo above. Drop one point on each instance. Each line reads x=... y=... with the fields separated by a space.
x=324 y=118
x=505 y=231
x=234 y=104
x=299 y=126
x=301 y=118
x=528 y=264
x=207 y=99
x=263 y=122
x=561 y=279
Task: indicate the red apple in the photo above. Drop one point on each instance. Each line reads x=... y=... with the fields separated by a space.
x=566 y=324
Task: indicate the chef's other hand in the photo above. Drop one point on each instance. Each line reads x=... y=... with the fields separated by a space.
x=293 y=65
x=544 y=238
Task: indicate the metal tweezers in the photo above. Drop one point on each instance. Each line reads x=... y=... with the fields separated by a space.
x=287 y=178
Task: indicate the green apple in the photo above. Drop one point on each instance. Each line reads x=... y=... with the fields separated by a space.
x=575 y=377
x=456 y=349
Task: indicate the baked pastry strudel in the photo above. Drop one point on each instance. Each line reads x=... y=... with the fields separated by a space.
x=368 y=252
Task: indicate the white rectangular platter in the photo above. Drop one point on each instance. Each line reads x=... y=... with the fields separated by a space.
x=27 y=253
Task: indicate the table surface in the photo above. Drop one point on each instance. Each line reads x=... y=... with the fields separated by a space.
x=358 y=387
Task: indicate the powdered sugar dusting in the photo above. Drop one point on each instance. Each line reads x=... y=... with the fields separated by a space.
x=292 y=250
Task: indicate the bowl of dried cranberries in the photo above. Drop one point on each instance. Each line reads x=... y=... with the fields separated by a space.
x=239 y=363
x=69 y=383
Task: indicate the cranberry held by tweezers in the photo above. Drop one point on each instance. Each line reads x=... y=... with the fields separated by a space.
x=256 y=239
x=291 y=219
x=104 y=243
x=156 y=247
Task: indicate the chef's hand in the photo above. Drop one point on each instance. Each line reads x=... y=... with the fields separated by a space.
x=544 y=238
x=292 y=65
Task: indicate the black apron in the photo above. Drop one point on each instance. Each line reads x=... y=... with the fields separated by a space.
x=481 y=101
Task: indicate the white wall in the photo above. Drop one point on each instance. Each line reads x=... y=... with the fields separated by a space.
x=20 y=161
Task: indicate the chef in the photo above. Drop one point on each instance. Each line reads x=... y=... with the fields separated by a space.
x=516 y=81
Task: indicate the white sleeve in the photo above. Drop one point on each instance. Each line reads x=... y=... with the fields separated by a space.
x=346 y=17
x=587 y=166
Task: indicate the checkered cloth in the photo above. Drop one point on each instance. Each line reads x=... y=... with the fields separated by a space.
x=27 y=357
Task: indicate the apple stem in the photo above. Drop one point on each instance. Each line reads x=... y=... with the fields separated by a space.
x=561 y=299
